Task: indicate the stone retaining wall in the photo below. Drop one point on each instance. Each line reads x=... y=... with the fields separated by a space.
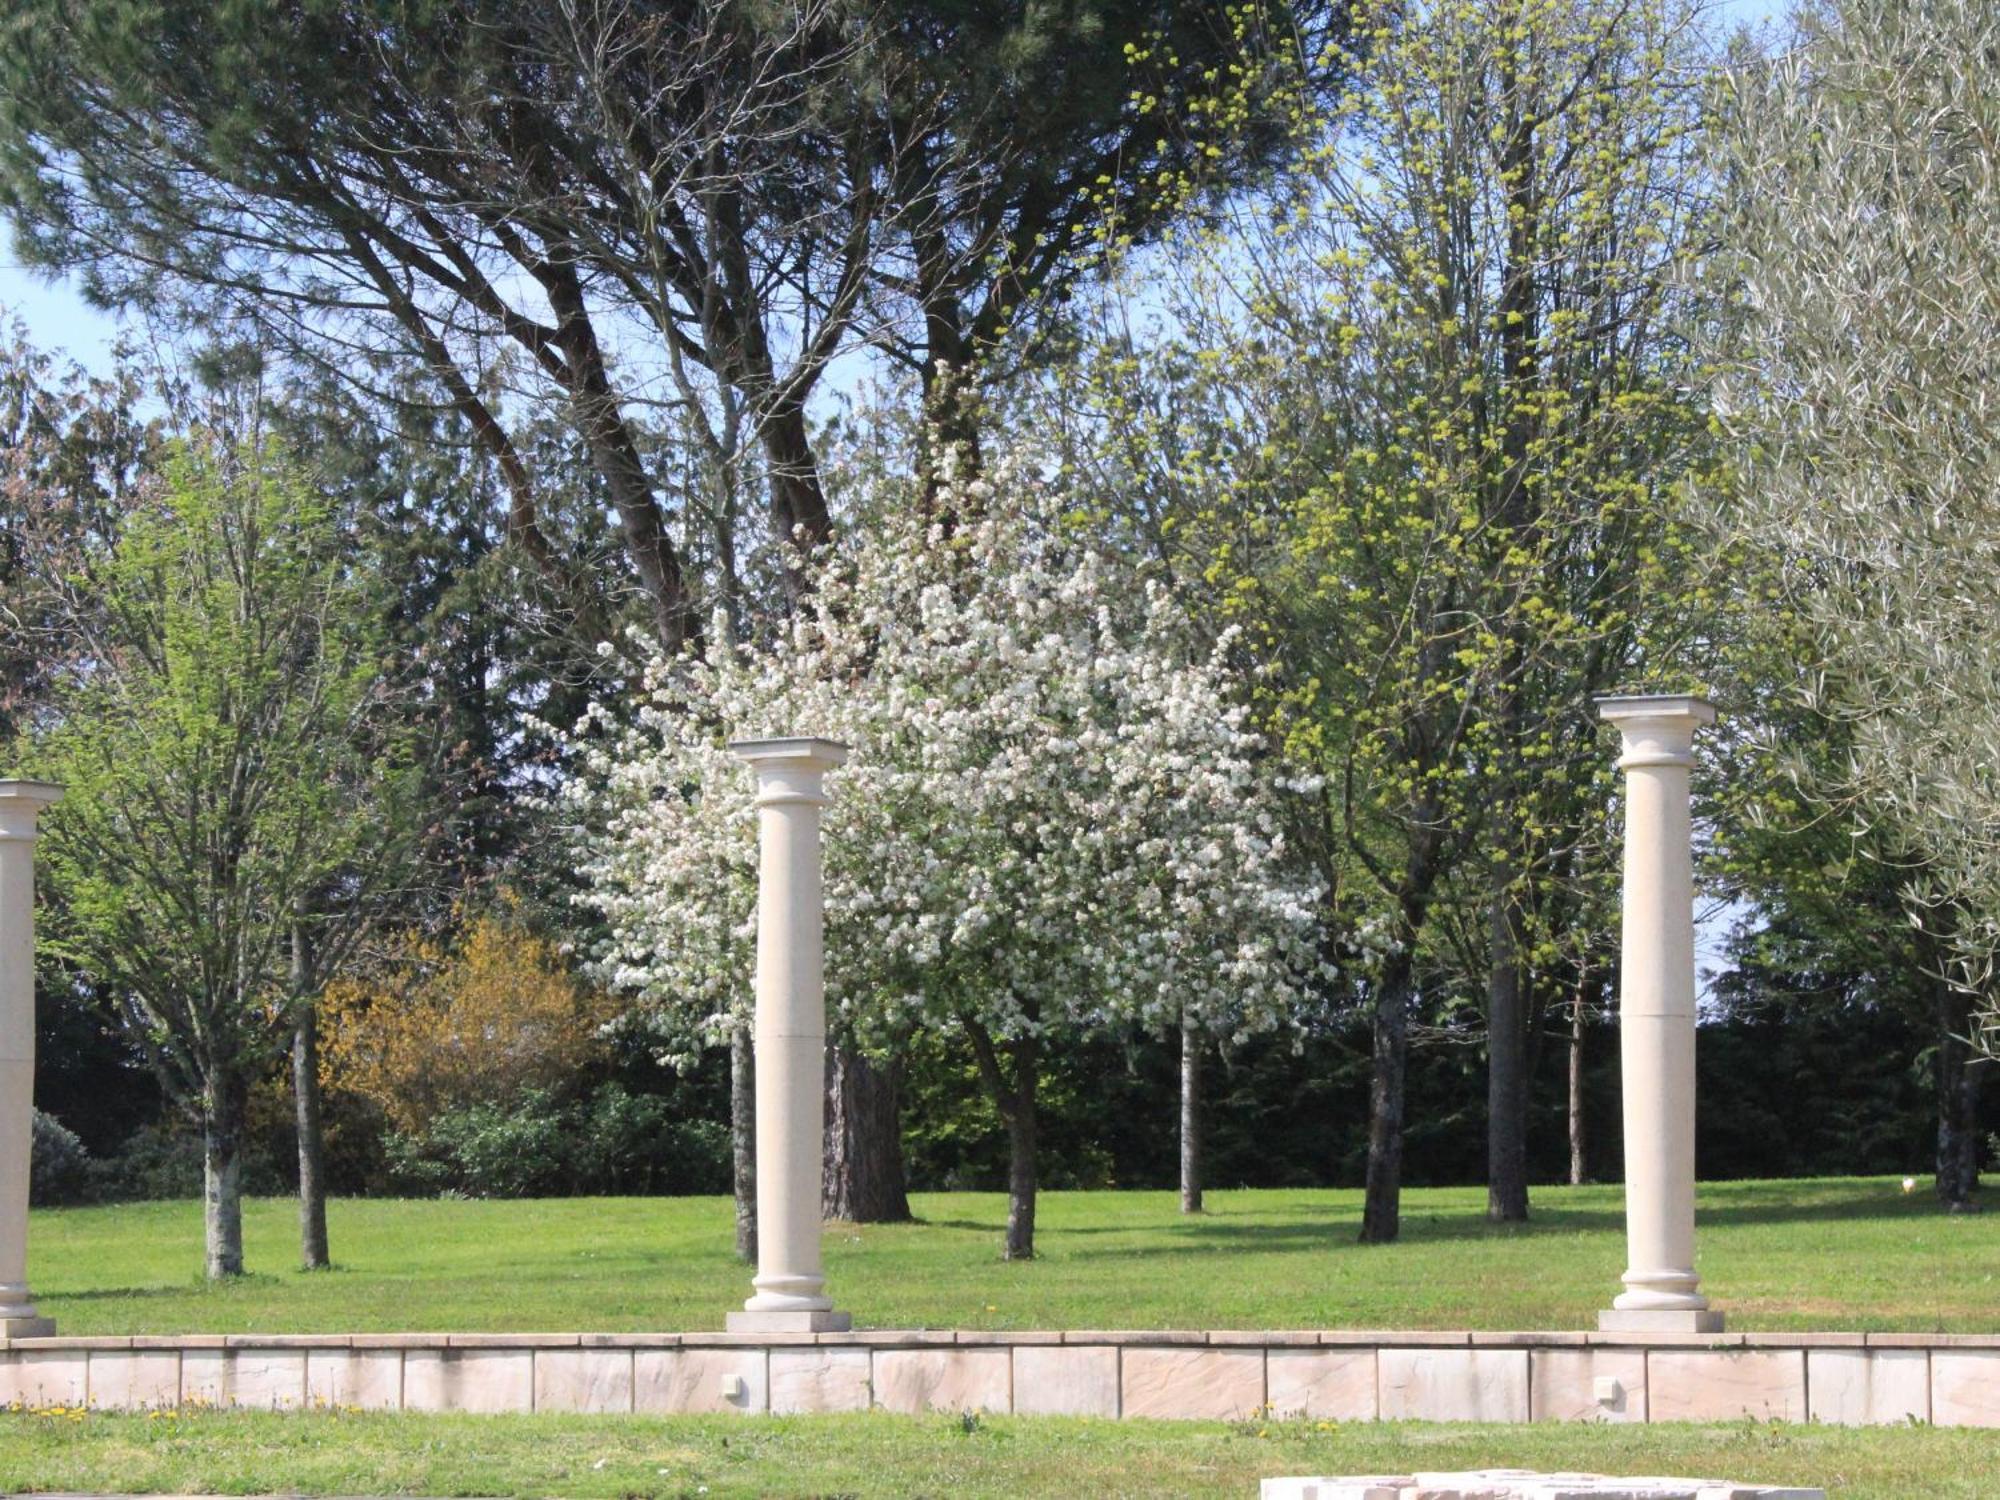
x=1340 y=1375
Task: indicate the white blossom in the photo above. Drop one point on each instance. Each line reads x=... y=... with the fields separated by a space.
x=1053 y=819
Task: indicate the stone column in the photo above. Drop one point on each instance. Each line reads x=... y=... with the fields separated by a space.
x=21 y=803
x=1656 y=1017
x=790 y=1038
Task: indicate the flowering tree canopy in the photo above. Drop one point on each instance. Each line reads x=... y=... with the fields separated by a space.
x=1054 y=821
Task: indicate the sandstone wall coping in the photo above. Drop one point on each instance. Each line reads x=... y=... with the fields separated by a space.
x=974 y=1338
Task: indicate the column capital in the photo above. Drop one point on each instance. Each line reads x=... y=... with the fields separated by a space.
x=1658 y=727
x=22 y=802
x=790 y=769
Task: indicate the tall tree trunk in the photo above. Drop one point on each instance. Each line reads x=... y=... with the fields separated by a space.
x=1190 y=1115
x=1381 y=1212
x=743 y=1138
x=222 y=1111
x=305 y=1098
x=1959 y=1074
x=863 y=1182
x=1021 y=1181
x=798 y=501
x=1013 y=1095
x=1578 y=1172
x=1506 y=1059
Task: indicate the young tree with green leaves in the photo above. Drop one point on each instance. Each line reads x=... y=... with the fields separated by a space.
x=245 y=781
x=1419 y=421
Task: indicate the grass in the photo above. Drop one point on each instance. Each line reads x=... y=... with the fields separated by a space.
x=1849 y=1253
x=875 y=1454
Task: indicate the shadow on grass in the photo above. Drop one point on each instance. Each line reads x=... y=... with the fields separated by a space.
x=1337 y=1229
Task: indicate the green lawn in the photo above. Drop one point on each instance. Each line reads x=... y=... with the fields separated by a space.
x=877 y=1454
x=1828 y=1254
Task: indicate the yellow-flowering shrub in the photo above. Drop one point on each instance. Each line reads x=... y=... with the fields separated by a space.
x=447 y=1025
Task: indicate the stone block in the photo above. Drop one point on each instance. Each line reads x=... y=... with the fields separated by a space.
x=671 y=1381
x=135 y=1381
x=1857 y=1387
x=917 y=1380
x=481 y=1380
x=1066 y=1382
x=1163 y=1381
x=271 y=1379
x=1587 y=1385
x=1351 y=1487
x=371 y=1379
x=1965 y=1387
x=808 y=1380
x=1452 y=1385
x=44 y=1377
x=1719 y=1385
x=1333 y=1385
x=583 y=1380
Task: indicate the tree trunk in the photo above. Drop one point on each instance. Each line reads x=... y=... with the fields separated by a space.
x=1190 y=1116
x=305 y=1097
x=1506 y=1061
x=863 y=1182
x=1381 y=1213
x=743 y=1139
x=1959 y=1073
x=223 y=1105
x=1021 y=1155
x=1578 y=1174
x=798 y=502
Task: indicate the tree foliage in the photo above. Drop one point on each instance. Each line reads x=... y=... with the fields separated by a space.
x=1862 y=243
x=1055 y=821
x=238 y=762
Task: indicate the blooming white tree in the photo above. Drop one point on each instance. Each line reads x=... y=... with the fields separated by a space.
x=1054 y=821
x=1864 y=240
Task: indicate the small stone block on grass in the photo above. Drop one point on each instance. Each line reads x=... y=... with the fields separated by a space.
x=1523 y=1484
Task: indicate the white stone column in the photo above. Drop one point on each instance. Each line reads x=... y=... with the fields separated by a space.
x=790 y=1035
x=21 y=803
x=1656 y=1016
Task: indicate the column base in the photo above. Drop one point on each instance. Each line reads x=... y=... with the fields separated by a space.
x=27 y=1328
x=1660 y=1320
x=788 y=1320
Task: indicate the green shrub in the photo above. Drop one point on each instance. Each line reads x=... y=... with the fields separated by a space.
x=59 y=1169
x=539 y=1147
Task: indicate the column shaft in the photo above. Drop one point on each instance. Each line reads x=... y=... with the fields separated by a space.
x=790 y=1036
x=21 y=802
x=1656 y=1018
